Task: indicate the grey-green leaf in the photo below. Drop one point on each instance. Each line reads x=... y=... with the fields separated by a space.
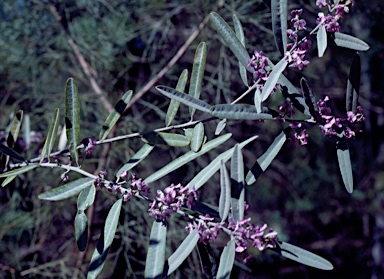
x=154 y=263
x=51 y=136
x=231 y=40
x=226 y=261
x=101 y=251
x=345 y=166
x=169 y=139
x=302 y=256
x=205 y=174
x=348 y=41
x=187 y=157
x=257 y=100
x=10 y=152
x=67 y=190
x=197 y=74
x=115 y=115
x=353 y=84
x=321 y=38
x=81 y=230
x=197 y=137
x=279 y=24
x=220 y=126
x=86 y=198
x=240 y=35
x=184 y=98
x=239 y=112
x=19 y=170
x=135 y=159
x=273 y=78
x=237 y=184
x=174 y=104
x=225 y=192
x=8 y=180
x=72 y=118
x=182 y=252
x=265 y=160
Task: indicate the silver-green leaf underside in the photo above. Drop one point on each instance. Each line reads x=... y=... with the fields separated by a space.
x=351 y=42
x=197 y=137
x=19 y=170
x=237 y=184
x=197 y=74
x=220 y=126
x=238 y=112
x=240 y=35
x=353 y=84
x=67 y=190
x=51 y=136
x=174 y=104
x=227 y=259
x=169 y=139
x=115 y=115
x=81 y=230
x=136 y=158
x=14 y=131
x=273 y=78
x=279 y=24
x=225 y=192
x=154 y=263
x=345 y=165
x=321 y=38
x=86 y=198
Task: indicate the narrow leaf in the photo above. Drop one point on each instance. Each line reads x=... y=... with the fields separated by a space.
x=154 y=263
x=279 y=24
x=257 y=100
x=72 y=118
x=207 y=260
x=220 y=126
x=197 y=73
x=187 y=157
x=237 y=184
x=302 y=256
x=14 y=131
x=240 y=35
x=353 y=85
x=101 y=251
x=321 y=40
x=265 y=160
x=86 y=198
x=10 y=152
x=197 y=137
x=8 y=180
x=239 y=112
x=67 y=190
x=345 y=166
x=174 y=105
x=51 y=136
x=231 y=40
x=181 y=253
x=273 y=78
x=81 y=230
x=310 y=101
x=19 y=170
x=115 y=115
x=169 y=139
x=205 y=174
x=137 y=158
x=348 y=41
x=27 y=131
x=183 y=98
x=226 y=261
x=225 y=192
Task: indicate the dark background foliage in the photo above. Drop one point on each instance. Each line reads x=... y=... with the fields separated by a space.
x=126 y=43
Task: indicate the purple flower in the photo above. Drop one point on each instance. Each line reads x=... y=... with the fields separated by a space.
x=321 y=3
x=287 y=109
x=300 y=24
x=89 y=144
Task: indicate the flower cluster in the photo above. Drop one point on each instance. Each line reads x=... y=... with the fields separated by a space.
x=335 y=125
x=287 y=109
x=89 y=144
x=258 y=62
x=207 y=229
x=171 y=200
x=330 y=21
x=244 y=230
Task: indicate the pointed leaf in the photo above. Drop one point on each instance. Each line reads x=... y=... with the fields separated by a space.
x=353 y=85
x=321 y=40
x=67 y=190
x=72 y=118
x=207 y=260
x=8 y=180
x=237 y=184
x=197 y=74
x=257 y=100
x=302 y=256
x=189 y=156
x=169 y=139
x=345 y=166
x=183 y=98
x=240 y=35
x=181 y=253
x=239 y=111
x=231 y=40
x=86 y=198
x=348 y=41
x=19 y=170
x=310 y=101
x=225 y=192
x=265 y=160
x=51 y=136
x=10 y=152
x=226 y=261
x=137 y=158
x=154 y=263
x=197 y=137
x=115 y=115
x=273 y=78
x=174 y=105
x=101 y=251
x=81 y=230
x=220 y=126
x=279 y=24
x=27 y=131
x=205 y=174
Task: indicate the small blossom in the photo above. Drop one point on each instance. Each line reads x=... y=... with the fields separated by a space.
x=287 y=109
x=89 y=145
x=321 y=3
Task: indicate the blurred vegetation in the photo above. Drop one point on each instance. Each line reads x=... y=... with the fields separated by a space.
x=126 y=43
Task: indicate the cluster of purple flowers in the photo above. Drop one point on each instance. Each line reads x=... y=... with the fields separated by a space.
x=331 y=20
x=207 y=229
x=335 y=125
x=171 y=200
x=258 y=62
